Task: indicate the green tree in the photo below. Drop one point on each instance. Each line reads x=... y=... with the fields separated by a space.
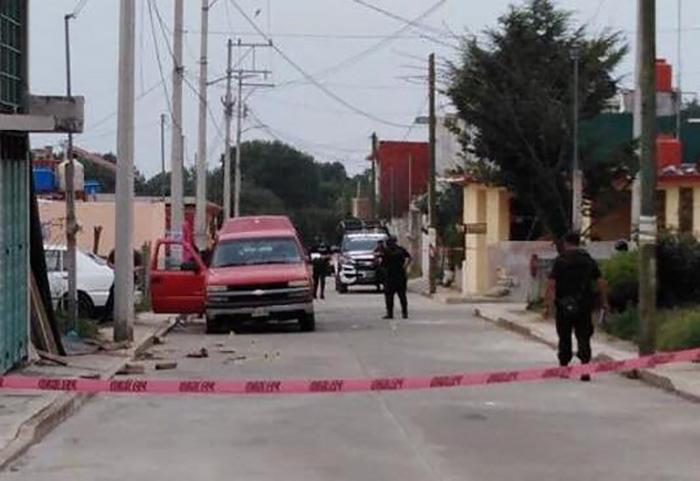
x=514 y=90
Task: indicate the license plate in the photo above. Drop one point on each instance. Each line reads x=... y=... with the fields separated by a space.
x=260 y=312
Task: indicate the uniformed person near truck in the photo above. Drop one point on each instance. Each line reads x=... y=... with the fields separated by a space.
x=321 y=263
x=572 y=290
x=395 y=261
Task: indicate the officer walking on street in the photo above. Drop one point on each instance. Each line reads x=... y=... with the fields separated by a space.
x=571 y=290
x=320 y=262
x=395 y=261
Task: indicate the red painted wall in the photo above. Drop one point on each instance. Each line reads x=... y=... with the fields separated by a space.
x=393 y=160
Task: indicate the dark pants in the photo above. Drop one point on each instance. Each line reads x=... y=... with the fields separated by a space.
x=319 y=282
x=582 y=328
x=395 y=288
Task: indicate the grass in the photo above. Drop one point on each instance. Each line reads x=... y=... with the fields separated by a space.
x=677 y=328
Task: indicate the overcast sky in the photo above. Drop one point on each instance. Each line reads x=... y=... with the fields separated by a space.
x=384 y=84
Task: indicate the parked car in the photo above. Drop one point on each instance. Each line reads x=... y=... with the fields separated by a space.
x=358 y=263
x=94 y=278
x=258 y=272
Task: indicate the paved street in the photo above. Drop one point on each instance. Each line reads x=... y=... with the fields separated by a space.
x=613 y=428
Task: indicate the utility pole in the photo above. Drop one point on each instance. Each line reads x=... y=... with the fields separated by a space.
x=239 y=127
x=637 y=128
x=410 y=180
x=228 y=110
x=177 y=206
x=647 y=222
x=200 y=218
x=124 y=218
x=162 y=153
x=373 y=175
x=71 y=223
x=242 y=75
x=576 y=174
x=432 y=201
x=679 y=74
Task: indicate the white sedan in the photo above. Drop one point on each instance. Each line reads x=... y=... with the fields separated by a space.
x=95 y=278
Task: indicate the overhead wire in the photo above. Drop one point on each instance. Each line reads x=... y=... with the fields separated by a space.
x=414 y=24
x=371 y=49
x=309 y=77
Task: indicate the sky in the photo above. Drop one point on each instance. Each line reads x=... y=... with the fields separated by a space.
x=363 y=71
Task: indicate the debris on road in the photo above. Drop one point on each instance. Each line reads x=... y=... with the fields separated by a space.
x=227 y=351
x=202 y=353
x=130 y=369
x=163 y=366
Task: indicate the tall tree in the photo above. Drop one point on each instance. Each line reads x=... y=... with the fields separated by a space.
x=514 y=90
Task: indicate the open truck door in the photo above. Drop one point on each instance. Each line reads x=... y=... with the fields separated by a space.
x=177 y=289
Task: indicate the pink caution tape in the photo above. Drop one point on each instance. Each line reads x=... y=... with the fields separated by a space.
x=302 y=386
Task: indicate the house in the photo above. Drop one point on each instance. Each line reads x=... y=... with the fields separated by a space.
x=96 y=220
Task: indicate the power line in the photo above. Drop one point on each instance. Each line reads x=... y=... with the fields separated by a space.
x=152 y=7
x=164 y=32
x=415 y=24
x=78 y=8
x=113 y=114
x=309 y=77
x=375 y=47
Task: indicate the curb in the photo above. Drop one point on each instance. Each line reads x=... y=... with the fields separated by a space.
x=65 y=405
x=646 y=376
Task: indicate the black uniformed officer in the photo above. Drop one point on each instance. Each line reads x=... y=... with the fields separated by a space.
x=320 y=261
x=572 y=290
x=395 y=260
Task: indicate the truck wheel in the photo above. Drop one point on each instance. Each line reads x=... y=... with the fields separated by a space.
x=340 y=287
x=214 y=325
x=307 y=322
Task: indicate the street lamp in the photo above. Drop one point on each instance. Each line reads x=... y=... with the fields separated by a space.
x=577 y=176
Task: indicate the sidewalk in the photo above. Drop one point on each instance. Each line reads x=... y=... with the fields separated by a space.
x=682 y=379
x=25 y=417
x=447 y=295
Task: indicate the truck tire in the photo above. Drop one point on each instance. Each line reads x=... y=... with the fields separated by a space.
x=307 y=323
x=340 y=287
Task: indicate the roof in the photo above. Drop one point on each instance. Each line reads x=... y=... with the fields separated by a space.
x=680 y=173
x=255 y=224
x=258 y=234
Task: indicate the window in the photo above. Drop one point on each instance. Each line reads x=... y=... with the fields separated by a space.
x=357 y=244
x=685 y=211
x=246 y=252
x=53 y=261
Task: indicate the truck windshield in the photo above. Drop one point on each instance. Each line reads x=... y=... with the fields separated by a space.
x=361 y=243
x=246 y=252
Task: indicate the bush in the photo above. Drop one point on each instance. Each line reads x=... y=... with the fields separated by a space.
x=679 y=329
x=620 y=272
x=624 y=325
x=678 y=270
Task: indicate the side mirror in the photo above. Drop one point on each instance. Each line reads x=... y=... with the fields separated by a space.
x=190 y=266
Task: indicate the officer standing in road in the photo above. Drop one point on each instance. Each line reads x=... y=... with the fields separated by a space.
x=320 y=262
x=571 y=289
x=395 y=261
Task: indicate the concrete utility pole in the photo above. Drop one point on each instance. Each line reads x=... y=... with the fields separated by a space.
x=241 y=75
x=432 y=200
x=228 y=110
x=200 y=219
x=239 y=127
x=637 y=129
x=679 y=74
x=177 y=206
x=647 y=222
x=124 y=218
x=162 y=153
x=373 y=175
x=576 y=174
x=71 y=223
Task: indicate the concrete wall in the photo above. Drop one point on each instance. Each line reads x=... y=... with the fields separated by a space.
x=513 y=257
x=149 y=223
x=407 y=230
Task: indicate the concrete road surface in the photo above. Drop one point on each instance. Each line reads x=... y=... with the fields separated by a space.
x=610 y=429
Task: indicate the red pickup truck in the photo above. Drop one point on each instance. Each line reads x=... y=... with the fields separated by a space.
x=258 y=272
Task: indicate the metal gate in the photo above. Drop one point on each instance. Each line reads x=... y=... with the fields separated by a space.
x=14 y=190
x=14 y=249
